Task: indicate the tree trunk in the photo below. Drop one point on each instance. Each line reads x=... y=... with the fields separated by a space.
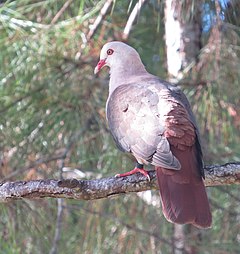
x=182 y=36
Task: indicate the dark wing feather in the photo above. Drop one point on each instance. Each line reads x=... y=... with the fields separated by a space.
x=187 y=123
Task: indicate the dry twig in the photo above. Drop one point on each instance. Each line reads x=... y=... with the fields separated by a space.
x=61 y=11
x=99 y=19
x=135 y=12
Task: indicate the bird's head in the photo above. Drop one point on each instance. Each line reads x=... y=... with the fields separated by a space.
x=117 y=55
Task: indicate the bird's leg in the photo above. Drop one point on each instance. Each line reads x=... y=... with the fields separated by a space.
x=138 y=169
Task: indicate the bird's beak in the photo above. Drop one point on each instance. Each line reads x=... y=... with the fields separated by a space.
x=99 y=66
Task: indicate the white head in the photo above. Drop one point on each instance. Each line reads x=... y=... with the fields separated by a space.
x=119 y=57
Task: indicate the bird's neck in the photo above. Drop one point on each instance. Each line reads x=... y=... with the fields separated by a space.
x=126 y=74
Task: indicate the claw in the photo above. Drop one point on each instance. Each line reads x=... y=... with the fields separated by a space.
x=148 y=177
x=135 y=170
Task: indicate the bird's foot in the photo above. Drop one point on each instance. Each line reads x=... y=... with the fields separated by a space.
x=134 y=171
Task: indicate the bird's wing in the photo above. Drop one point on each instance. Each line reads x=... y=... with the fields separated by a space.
x=194 y=135
x=147 y=120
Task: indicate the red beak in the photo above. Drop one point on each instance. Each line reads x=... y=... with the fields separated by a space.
x=99 y=66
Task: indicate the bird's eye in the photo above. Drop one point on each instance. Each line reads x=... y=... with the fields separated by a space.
x=110 y=51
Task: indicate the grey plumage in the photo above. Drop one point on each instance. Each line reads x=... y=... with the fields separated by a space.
x=136 y=114
x=153 y=120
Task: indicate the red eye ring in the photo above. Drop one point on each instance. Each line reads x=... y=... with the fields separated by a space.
x=110 y=51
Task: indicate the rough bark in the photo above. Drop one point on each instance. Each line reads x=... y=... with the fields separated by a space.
x=106 y=187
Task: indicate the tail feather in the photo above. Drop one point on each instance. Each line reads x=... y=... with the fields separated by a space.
x=183 y=195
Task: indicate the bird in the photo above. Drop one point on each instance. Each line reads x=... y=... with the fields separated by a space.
x=152 y=119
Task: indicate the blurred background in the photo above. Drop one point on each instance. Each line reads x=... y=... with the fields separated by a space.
x=52 y=119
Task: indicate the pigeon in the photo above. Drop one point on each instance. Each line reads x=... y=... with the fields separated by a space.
x=152 y=119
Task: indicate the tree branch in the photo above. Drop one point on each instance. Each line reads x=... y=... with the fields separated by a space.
x=61 y=11
x=135 y=12
x=99 y=19
x=106 y=187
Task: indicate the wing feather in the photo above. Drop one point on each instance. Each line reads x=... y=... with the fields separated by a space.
x=149 y=118
x=135 y=121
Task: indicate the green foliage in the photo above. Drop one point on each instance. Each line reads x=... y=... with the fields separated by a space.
x=52 y=110
x=217 y=100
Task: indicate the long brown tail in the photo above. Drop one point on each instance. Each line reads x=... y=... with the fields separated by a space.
x=183 y=195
